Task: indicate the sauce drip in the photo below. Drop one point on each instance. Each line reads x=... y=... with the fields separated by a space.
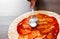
x=47 y=28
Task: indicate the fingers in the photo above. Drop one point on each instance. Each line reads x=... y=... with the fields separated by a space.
x=32 y=3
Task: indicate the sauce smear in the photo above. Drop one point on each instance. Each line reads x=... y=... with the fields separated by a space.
x=47 y=28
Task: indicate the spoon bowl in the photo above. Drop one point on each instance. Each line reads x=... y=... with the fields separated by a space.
x=33 y=21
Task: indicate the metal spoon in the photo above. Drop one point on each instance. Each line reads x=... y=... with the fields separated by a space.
x=33 y=21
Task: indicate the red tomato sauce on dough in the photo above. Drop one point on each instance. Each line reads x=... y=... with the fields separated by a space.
x=47 y=28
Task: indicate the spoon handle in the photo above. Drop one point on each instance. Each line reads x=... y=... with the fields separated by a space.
x=33 y=12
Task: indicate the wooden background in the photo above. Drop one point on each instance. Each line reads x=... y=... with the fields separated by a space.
x=50 y=5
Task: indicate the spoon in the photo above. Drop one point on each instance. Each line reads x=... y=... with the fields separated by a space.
x=33 y=20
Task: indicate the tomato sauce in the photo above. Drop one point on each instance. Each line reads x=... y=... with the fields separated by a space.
x=47 y=28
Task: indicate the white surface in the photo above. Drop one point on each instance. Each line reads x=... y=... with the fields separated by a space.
x=13 y=7
x=5 y=21
x=9 y=10
x=12 y=33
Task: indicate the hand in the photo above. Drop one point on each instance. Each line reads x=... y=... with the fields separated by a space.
x=32 y=3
